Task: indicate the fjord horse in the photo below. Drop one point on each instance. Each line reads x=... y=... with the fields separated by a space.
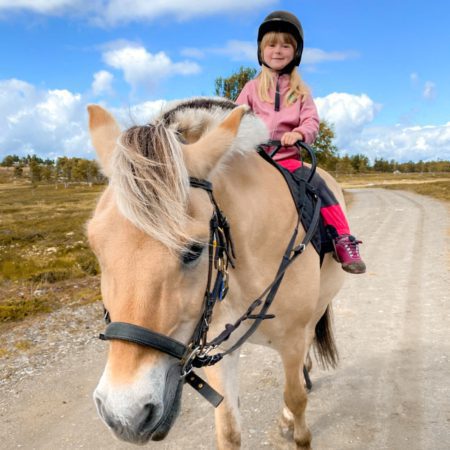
x=151 y=233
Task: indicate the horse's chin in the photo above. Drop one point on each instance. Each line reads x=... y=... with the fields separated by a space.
x=163 y=429
x=161 y=432
x=172 y=404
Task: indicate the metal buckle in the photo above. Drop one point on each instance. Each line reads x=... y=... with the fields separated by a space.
x=187 y=362
x=300 y=248
x=198 y=352
x=224 y=286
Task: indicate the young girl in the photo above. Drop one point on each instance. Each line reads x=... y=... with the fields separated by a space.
x=281 y=99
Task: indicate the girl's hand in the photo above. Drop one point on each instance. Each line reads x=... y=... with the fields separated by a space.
x=291 y=138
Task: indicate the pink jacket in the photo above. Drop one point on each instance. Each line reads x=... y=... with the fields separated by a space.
x=301 y=116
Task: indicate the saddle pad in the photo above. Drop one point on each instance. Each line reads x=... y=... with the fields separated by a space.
x=322 y=239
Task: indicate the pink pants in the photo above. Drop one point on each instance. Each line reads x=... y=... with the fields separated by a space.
x=331 y=212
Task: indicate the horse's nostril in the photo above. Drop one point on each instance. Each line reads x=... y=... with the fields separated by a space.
x=147 y=417
x=148 y=409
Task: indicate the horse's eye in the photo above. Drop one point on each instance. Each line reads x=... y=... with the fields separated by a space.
x=192 y=253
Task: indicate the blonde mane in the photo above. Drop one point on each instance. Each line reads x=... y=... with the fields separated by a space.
x=149 y=176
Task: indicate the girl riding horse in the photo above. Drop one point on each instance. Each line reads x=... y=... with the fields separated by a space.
x=282 y=100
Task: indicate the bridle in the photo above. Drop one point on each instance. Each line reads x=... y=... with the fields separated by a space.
x=197 y=353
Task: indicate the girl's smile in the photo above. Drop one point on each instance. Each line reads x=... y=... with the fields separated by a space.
x=278 y=55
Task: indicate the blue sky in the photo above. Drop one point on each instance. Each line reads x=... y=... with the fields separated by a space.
x=379 y=70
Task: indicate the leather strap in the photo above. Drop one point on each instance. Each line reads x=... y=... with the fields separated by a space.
x=143 y=336
x=203 y=388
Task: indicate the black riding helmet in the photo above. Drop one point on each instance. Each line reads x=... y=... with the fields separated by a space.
x=284 y=22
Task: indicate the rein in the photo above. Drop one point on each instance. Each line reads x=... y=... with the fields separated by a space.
x=221 y=255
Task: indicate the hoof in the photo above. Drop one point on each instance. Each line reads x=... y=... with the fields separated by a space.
x=305 y=442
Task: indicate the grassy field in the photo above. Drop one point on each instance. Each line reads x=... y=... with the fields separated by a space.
x=433 y=185
x=44 y=257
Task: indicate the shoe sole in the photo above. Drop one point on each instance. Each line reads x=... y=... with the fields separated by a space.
x=354 y=268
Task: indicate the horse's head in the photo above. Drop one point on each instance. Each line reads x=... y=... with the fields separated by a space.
x=150 y=232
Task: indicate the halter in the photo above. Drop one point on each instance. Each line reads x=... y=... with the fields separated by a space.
x=221 y=255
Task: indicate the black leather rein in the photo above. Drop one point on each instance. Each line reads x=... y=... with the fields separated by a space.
x=221 y=256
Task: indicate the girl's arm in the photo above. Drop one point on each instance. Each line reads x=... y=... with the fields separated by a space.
x=309 y=120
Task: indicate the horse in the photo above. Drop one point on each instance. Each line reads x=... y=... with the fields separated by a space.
x=151 y=232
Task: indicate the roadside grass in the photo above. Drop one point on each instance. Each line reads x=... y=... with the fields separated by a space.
x=438 y=189
x=436 y=185
x=43 y=247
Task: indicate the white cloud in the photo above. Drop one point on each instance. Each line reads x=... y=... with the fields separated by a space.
x=348 y=113
x=102 y=83
x=59 y=8
x=36 y=121
x=139 y=114
x=427 y=143
x=143 y=69
x=118 y=11
x=237 y=50
x=114 y=12
x=191 y=52
x=414 y=77
x=233 y=50
x=352 y=117
x=52 y=123
x=38 y=6
x=316 y=56
x=429 y=90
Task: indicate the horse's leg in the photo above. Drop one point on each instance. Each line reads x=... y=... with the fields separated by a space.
x=295 y=398
x=224 y=378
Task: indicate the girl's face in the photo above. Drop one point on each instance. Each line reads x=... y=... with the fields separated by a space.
x=278 y=53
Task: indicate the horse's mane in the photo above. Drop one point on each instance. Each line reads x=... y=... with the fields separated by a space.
x=149 y=177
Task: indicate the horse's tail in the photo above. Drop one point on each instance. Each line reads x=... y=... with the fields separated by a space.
x=324 y=344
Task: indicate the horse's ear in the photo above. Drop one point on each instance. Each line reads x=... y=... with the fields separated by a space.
x=202 y=156
x=104 y=132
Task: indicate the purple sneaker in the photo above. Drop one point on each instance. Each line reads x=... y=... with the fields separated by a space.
x=346 y=251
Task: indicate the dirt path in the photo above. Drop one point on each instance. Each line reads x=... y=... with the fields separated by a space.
x=390 y=391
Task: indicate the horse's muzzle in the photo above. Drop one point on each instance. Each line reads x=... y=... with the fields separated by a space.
x=148 y=421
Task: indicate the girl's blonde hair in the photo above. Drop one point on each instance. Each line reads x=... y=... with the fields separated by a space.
x=297 y=87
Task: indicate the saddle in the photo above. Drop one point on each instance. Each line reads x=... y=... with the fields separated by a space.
x=305 y=199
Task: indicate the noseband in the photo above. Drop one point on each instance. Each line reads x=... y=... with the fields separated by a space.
x=196 y=353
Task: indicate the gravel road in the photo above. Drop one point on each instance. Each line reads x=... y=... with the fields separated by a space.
x=390 y=391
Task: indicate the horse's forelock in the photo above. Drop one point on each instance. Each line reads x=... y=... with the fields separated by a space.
x=151 y=182
x=149 y=176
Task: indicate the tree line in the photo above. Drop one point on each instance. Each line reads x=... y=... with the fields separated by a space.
x=63 y=169
x=66 y=169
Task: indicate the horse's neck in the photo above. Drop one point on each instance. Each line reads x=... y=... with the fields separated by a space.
x=258 y=204
x=252 y=192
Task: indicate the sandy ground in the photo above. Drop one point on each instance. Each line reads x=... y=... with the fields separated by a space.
x=390 y=391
